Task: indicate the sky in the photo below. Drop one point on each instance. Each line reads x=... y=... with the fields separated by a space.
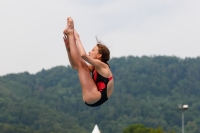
x=31 y=31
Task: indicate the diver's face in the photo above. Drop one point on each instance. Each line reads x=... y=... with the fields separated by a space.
x=94 y=53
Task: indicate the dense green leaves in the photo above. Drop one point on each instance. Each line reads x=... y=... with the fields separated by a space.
x=139 y=128
x=147 y=91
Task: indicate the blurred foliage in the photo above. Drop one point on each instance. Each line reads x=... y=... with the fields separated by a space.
x=139 y=128
x=147 y=91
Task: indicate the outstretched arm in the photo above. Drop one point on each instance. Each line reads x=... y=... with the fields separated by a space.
x=79 y=44
x=68 y=51
x=87 y=58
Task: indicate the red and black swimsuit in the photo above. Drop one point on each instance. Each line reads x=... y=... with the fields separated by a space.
x=101 y=83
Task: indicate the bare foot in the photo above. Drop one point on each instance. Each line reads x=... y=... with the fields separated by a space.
x=70 y=27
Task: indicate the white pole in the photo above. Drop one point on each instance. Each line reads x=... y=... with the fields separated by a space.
x=183 y=121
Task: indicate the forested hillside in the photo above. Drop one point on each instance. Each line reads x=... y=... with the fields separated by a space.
x=147 y=91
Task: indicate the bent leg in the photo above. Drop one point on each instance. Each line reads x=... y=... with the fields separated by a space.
x=89 y=88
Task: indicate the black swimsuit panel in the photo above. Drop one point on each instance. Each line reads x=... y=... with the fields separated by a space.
x=101 y=83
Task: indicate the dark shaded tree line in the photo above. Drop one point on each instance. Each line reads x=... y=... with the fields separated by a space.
x=147 y=91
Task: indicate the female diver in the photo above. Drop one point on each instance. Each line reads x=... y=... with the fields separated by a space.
x=96 y=89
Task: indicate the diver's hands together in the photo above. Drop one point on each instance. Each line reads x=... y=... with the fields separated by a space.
x=66 y=41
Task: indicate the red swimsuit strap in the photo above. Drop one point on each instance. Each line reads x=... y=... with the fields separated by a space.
x=110 y=78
